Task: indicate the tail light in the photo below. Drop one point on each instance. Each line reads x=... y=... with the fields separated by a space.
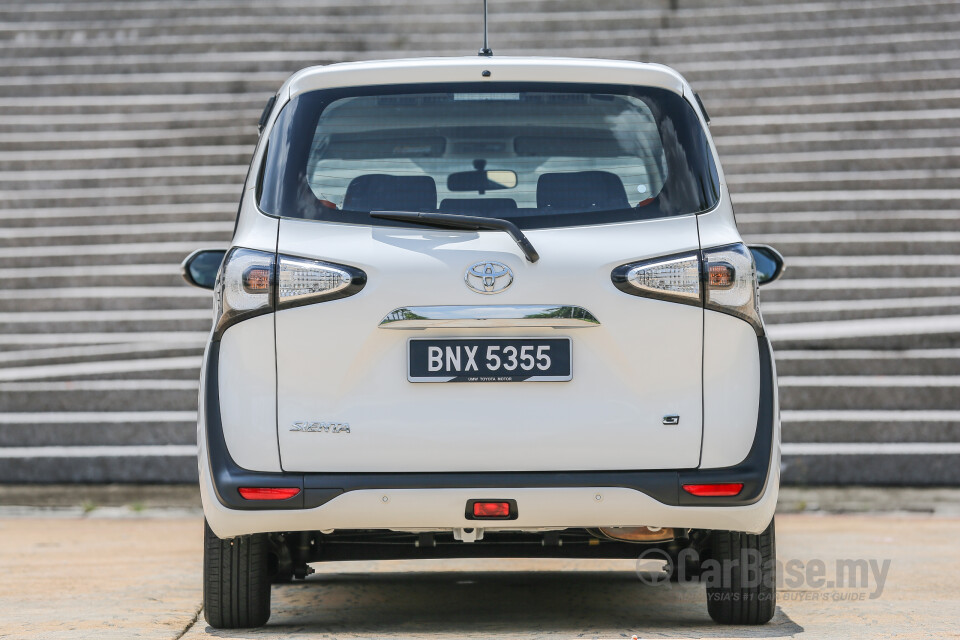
x=721 y=279
x=305 y=281
x=249 y=285
x=674 y=278
x=732 y=283
x=244 y=287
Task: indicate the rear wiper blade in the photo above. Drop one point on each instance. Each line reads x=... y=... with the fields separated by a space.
x=454 y=221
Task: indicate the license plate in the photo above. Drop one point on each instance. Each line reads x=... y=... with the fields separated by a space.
x=488 y=360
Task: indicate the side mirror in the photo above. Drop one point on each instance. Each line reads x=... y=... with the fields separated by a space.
x=200 y=267
x=769 y=263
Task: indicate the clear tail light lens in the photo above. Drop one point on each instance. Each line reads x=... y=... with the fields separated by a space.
x=674 y=278
x=251 y=283
x=244 y=287
x=721 y=279
x=731 y=279
x=305 y=281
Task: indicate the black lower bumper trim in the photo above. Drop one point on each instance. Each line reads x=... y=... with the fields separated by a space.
x=319 y=488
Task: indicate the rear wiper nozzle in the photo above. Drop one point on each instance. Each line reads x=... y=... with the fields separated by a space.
x=471 y=223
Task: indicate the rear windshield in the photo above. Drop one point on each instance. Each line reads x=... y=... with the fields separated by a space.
x=540 y=155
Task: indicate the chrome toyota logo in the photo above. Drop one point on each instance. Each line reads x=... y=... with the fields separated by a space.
x=489 y=277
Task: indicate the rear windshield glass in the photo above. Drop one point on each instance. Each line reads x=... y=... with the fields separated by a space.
x=540 y=155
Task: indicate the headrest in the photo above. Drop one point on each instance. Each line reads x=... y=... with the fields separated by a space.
x=581 y=191
x=381 y=192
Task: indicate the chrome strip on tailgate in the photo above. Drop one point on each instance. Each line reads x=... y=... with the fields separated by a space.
x=486 y=316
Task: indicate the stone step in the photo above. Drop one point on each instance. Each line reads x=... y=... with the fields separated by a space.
x=923 y=332
x=851 y=180
x=888 y=124
x=22 y=237
x=918 y=162
x=917 y=464
x=244 y=135
x=145 y=252
x=137 y=298
x=112 y=275
x=151 y=214
x=96 y=396
x=869 y=392
x=118 y=157
x=901 y=266
x=513 y=36
x=167 y=463
x=685 y=11
x=410 y=19
x=24 y=355
x=289 y=61
x=844 y=200
x=858 y=289
x=845 y=362
x=857 y=244
x=106 y=321
x=14 y=182
x=848 y=222
x=818 y=310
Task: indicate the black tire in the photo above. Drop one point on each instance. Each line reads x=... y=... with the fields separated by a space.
x=236 y=582
x=741 y=582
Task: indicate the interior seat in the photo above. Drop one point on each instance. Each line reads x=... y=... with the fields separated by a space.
x=581 y=191
x=383 y=192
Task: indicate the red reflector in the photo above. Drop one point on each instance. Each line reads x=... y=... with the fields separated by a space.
x=491 y=509
x=267 y=493
x=714 y=490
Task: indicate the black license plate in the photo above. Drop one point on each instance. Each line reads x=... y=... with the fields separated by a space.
x=489 y=360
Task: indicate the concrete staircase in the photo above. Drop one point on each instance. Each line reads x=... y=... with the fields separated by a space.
x=125 y=128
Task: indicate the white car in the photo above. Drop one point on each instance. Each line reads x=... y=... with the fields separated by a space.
x=486 y=307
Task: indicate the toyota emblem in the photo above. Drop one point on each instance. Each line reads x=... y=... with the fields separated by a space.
x=489 y=277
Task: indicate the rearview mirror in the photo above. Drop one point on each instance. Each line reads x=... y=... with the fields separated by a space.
x=481 y=181
x=769 y=263
x=200 y=267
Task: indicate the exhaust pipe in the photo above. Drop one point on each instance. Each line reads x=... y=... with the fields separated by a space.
x=639 y=534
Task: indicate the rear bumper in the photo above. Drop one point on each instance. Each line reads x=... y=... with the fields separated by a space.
x=436 y=500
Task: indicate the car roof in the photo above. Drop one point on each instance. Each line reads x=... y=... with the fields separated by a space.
x=472 y=68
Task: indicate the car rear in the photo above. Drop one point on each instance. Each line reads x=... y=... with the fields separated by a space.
x=371 y=372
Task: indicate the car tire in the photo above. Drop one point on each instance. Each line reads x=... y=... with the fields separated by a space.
x=741 y=590
x=236 y=580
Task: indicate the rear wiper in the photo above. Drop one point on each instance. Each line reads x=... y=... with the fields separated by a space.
x=453 y=221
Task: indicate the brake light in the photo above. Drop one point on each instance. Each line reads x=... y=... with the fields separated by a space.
x=717 y=490
x=268 y=493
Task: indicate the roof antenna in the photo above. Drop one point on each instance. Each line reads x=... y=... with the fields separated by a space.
x=486 y=51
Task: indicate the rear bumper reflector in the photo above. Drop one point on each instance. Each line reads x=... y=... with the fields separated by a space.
x=268 y=493
x=723 y=489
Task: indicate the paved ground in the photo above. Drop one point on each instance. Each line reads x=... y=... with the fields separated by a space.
x=138 y=577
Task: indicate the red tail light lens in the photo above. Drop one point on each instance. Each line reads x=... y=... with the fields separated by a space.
x=267 y=493
x=714 y=490
x=491 y=509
